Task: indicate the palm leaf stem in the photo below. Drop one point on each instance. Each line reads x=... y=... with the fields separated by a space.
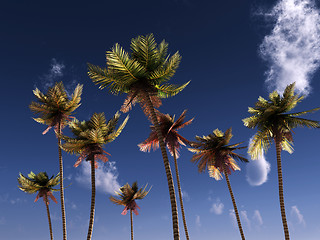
x=180 y=195
x=280 y=181
x=63 y=212
x=93 y=198
x=234 y=203
x=49 y=219
x=173 y=201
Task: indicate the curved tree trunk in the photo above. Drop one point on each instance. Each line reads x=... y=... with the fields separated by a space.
x=180 y=195
x=93 y=199
x=49 y=219
x=234 y=203
x=281 y=199
x=131 y=222
x=63 y=212
x=173 y=201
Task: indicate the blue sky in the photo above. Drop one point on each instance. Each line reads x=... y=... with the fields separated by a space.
x=232 y=51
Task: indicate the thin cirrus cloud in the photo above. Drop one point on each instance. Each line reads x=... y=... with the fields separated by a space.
x=198 y=221
x=297 y=216
x=106 y=177
x=245 y=219
x=293 y=47
x=257 y=170
x=55 y=73
x=217 y=207
x=257 y=218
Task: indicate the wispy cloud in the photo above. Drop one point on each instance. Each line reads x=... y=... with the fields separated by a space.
x=55 y=72
x=257 y=218
x=106 y=177
x=217 y=207
x=185 y=195
x=293 y=47
x=17 y=200
x=257 y=170
x=198 y=221
x=245 y=219
x=233 y=218
x=297 y=216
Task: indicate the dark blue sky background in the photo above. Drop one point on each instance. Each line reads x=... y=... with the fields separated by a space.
x=219 y=43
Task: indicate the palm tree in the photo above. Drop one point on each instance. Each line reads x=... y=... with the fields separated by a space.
x=90 y=136
x=142 y=75
x=42 y=184
x=54 y=109
x=212 y=152
x=273 y=122
x=173 y=140
x=127 y=195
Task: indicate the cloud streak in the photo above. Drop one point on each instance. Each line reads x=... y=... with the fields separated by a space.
x=257 y=170
x=106 y=177
x=217 y=207
x=55 y=72
x=296 y=214
x=293 y=47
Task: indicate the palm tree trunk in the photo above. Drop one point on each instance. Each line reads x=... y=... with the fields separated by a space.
x=282 y=207
x=49 y=219
x=234 y=203
x=180 y=195
x=63 y=212
x=93 y=198
x=131 y=222
x=173 y=201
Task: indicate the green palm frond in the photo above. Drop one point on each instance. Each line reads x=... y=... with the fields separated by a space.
x=260 y=141
x=169 y=90
x=112 y=136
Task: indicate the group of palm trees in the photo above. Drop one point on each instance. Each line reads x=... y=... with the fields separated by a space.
x=143 y=75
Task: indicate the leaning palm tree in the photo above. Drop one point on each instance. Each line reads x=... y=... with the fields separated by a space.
x=42 y=184
x=54 y=109
x=273 y=122
x=213 y=153
x=90 y=136
x=143 y=75
x=127 y=195
x=173 y=140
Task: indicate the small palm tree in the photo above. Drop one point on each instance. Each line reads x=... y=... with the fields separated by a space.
x=212 y=152
x=127 y=195
x=90 y=137
x=273 y=122
x=54 y=109
x=143 y=75
x=42 y=184
x=173 y=140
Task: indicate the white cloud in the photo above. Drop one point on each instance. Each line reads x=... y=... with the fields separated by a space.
x=217 y=207
x=233 y=218
x=17 y=200
x=245 y=219
x=297 y=216
x=257 y=218
x=73 y=206
x=257 y=170
x=55 y=72
x=185 y=195
x=198 y=221
x=293 y=47
x=106 y=177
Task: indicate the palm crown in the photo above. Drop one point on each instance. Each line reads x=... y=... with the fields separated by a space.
x=169 y=128
x=145 y=70
x=127 y=195
x=90 y=136
x=40 y=183
x=272 y=120
x=213 y=153
x=55 y=107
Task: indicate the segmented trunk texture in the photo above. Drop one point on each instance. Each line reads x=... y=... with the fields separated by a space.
x=174 y=209
x=93 y=199
x=234 y=204
x=180 y=195
x=131 y=222
x=49 y=219
x=281 y=198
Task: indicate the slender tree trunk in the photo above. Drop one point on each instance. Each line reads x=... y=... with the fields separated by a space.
x=93 y=198
x=131 y=222
x=281 y=198
x=180 y=195
x=49 y=219
x=63 y=212
x=173 y=200
x=234 y=203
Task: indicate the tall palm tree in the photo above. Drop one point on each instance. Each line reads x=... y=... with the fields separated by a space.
x=142 y=75
x=54 y=109
x=42 y=184
x=212 y=152
x=273 y=122
x=90 y=137
x=173 y=140
x=126 y=196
